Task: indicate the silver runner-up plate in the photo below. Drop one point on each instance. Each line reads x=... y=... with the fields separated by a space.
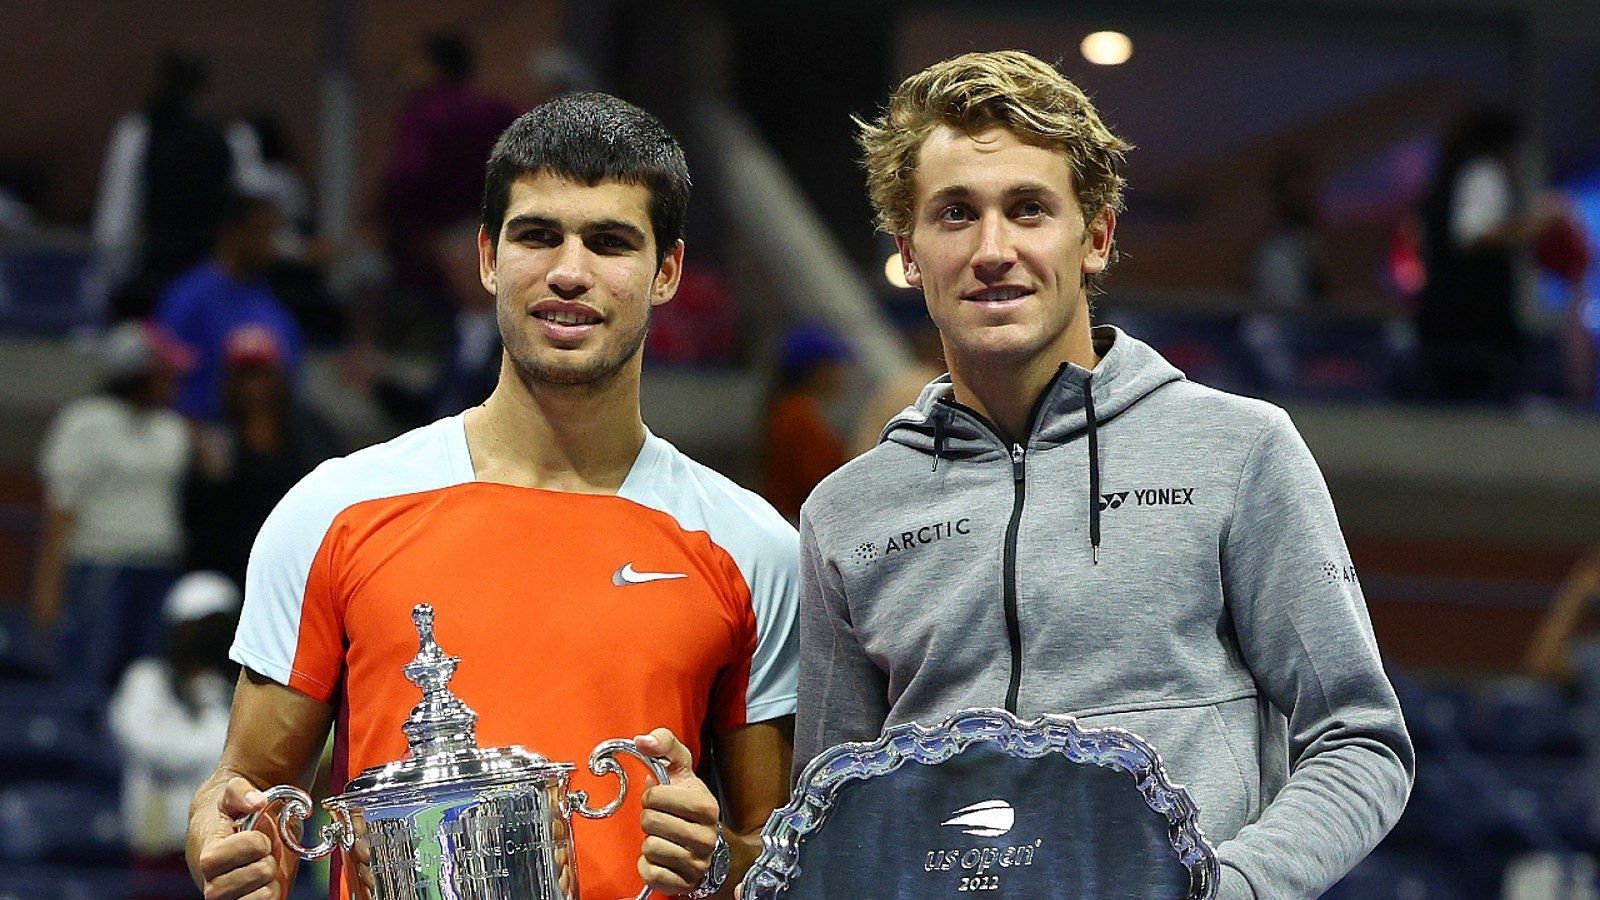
x=986 y=805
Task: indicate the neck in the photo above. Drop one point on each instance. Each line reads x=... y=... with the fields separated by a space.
x=1005 y=392
x=578 y=438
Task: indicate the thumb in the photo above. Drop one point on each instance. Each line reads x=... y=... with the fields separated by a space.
x=240 y=798
x=662 y=742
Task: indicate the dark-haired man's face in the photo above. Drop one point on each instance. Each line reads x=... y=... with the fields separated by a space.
x=574 y=275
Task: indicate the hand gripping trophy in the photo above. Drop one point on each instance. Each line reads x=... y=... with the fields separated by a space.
x=453 y=821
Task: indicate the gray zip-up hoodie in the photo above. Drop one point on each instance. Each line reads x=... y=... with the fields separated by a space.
x=1223 y=620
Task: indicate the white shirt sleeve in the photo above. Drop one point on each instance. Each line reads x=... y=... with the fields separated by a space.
x=66 y=457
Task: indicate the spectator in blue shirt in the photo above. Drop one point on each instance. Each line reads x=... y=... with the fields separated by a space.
x=227 y=292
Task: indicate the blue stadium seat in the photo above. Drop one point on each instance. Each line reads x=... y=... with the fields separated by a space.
x=60 y=824
x=1388 y=875
x=1519 y=716
x=18 y=659
x=41 y=743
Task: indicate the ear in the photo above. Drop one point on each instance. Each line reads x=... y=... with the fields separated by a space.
x=909 y=260
x=486 y=259
x=1099 y=236
x=668 y=276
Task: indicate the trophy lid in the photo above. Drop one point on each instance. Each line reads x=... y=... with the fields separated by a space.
x=442 y=732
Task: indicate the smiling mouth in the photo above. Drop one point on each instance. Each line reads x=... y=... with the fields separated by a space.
x=567 y=317
x=997 y=294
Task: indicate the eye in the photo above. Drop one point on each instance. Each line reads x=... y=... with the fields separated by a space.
x=610 y=242
x=542 y=237
x=955 y=213
x=1031 y=209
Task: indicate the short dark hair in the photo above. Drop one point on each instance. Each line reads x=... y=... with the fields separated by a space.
x=588 y=138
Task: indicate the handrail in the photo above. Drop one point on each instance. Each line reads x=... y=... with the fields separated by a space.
x=811 y=275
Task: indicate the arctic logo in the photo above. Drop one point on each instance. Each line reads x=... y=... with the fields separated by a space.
x=627 y=575
x=910 y=539
x=991 y=818
x=1149 y=497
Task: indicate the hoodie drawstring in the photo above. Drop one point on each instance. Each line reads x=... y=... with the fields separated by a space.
x=938 y=440
x=1094 y=469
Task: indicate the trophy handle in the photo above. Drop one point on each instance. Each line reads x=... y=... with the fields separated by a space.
x=297 y=806
x=603 y=761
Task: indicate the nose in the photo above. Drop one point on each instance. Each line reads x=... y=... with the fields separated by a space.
x=570 y=275
x=994 y=255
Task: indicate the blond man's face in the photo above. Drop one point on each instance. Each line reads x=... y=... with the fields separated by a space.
x=999 y=246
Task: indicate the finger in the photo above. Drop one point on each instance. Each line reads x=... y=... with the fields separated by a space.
x=240 y=798
x=698 y=839
x=662 y=742
x=688 y=800
x=675 y=859
x=233 y=852
x=664 y=881
x=245 y=881
x=361 y=852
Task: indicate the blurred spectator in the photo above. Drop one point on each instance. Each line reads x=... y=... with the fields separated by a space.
x=112 y=464
x=798 y=446
x=472 y=360
x=170 y=718
x=296 y=272
x=276 y=179
x=244 y=465
x=1563 y=250
x=163 y=188
x=441 y=140
x=224 y=293
x=699 y=327
x=901 y=391
x=1476 y=225
x=1288 y=271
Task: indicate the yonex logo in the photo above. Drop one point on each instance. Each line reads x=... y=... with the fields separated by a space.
x=990 y=818
x=628 y=575
x=1177 y=496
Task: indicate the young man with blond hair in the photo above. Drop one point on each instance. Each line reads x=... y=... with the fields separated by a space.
x=1065 y=524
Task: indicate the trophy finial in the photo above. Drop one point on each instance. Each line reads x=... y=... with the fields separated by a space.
x=440 y=722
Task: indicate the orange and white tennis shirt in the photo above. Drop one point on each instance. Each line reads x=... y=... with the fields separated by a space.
x=577 y=617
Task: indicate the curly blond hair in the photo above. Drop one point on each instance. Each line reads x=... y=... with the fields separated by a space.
x=977 y=91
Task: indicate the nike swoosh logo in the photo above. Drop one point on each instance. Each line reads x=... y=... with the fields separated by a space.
x=628 y=575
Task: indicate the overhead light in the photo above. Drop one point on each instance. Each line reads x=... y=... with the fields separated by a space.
x=895 y=271
x=1107 y=48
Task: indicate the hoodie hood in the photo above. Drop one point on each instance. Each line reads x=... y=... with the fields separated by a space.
x=1129 y=370
x=1075 y=402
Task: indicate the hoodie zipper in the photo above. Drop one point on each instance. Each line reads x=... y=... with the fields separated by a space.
x=1019 y=482
x=1019 y=496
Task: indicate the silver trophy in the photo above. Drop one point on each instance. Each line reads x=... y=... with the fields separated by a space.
x=990 y=805
x=453 y=821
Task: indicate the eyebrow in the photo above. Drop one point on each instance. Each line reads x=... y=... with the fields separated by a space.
x=1025 y=189
x=599 y=225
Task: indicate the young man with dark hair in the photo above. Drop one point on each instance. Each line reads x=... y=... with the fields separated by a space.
x=1065 y=524
x=593 y=580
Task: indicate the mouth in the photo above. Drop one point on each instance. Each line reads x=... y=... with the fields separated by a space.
x=564 y=322
x=566 y=314
x=997 y=294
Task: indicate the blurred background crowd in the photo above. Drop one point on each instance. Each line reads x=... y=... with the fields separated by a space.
x=236 y=241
